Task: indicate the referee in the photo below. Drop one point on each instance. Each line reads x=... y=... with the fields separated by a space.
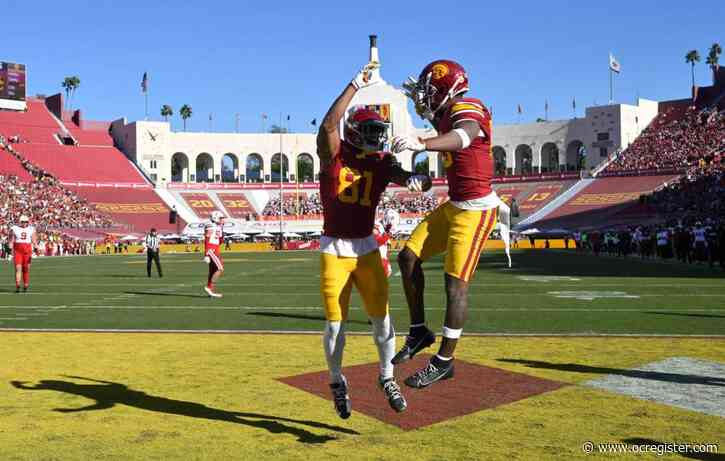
x=152 y=252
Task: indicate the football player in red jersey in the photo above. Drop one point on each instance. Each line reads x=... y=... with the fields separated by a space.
x=213 y=239
x=353 y=175
x=460 y=226
x=22 y=241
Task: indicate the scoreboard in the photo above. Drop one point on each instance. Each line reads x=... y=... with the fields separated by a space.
x=12 y=81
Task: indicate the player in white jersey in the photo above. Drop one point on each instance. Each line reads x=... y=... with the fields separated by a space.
x=384 y=231
x=213 y=239
x=700 y=242
x=22 y=239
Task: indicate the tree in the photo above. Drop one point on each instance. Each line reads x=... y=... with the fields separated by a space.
x=166 y=112
x=70 y=85
x=185 y=113
x=277 y=129
x=714 y=56
x=691 y=58
x=421 y=163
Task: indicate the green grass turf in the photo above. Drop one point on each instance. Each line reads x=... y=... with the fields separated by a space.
x=279 y=291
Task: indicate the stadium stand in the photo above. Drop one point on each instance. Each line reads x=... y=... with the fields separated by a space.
x=201 y=203
x=237 y=205
x=600 y=202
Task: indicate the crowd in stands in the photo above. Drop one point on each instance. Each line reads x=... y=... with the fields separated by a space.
x=311 y=205
x=675 y=145
x=693 y=225
x=48 y=204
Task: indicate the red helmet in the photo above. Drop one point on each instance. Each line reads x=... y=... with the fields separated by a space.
x=438 y=83
x=365 y=129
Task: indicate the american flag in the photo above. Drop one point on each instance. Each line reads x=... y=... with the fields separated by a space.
x=145 y=82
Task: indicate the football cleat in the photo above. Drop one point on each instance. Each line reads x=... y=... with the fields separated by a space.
x=211 y=293
x=341 y=398
x=17 y=289
x=413 y=345
x=392 y=392
x=429 y=375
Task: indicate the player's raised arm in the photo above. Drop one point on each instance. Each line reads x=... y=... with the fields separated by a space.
x=328 y=137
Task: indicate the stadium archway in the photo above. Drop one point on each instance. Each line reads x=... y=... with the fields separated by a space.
x=305 y=168
x=549 y=157
x=575 y=155
x=441 y=165
x=179 y=167
x=420 y=163
x=499 y=161
x=523 y=159
x=275 y=168
x=254 y=168
x=204 y=168
x=230 y=168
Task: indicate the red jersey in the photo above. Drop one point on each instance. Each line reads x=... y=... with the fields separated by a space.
x=213 y=237
x=469 y=171
x=350 y=190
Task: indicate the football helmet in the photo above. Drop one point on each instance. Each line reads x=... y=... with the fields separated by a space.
x=391 y=220
x=216 y=217
x=24 y=220
x=438 y=83
x=365 y=129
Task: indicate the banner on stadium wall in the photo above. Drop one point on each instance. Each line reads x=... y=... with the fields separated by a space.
x=236 y=226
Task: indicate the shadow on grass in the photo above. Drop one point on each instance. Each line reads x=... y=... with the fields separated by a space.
x=108 y=394
x=300 y=317
x=663 y=446
x=684 y=314
x=174 y=295
x=650 y=375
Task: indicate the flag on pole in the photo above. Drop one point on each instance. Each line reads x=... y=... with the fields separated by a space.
x=573 y=103
x=145 y=82
x=519 y=110
x=264 y=117
x=288 y=118
x=313 y=122
x=614 y=65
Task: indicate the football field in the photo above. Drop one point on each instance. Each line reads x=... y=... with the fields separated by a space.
x=564 y=356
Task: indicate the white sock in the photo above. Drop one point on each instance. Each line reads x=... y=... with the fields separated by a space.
x=384 y=336
x=333 y=341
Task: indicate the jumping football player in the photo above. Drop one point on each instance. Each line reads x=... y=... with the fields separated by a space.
x=460 y=226
x=213 y=239
x=22 y=240
x=354 y=174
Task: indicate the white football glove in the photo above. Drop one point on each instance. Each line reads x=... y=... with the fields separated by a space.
x=207 y=259
x=365 y=76
x=416 y=182
x=401 y=143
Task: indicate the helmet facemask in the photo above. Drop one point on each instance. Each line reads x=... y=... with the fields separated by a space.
x=368 y=135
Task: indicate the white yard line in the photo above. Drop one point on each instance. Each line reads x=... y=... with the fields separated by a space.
x=354 y=333
x=319 y=308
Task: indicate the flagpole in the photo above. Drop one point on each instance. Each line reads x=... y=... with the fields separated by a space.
x=611 y=90
x=281 y=173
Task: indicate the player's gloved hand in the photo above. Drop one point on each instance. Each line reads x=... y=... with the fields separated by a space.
x=402 y=143
x=410 y=87
x=365 y=76
x=207 y=259
x=417 y=183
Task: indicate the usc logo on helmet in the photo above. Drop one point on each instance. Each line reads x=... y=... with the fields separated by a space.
x=439 y=71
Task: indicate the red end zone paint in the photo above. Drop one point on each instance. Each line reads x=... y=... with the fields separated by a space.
x=474 y=388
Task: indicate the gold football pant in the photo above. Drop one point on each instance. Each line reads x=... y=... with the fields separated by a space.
x=462 y=234
x=337 y=276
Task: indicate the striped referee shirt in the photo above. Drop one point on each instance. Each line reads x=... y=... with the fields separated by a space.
x=152 y=242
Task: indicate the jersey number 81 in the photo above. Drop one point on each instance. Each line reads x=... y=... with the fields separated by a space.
x=350 y=186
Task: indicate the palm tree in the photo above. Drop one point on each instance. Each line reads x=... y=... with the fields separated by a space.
x=185 y=113
x=70 y=85
x=714 y=56
x=166 y=112
x=691 y=58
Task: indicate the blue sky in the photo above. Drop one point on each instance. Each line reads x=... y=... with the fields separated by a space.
x=295 y=57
